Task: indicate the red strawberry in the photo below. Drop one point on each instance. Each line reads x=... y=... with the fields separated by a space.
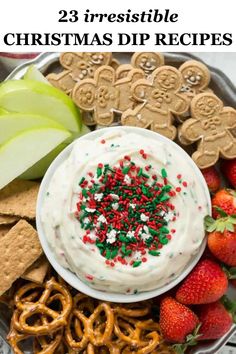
x=228 y=168
x=206 y=283
x=226 y=200
x=222 y=238
x=212 y=178
x=215 y=320
x=176 y=320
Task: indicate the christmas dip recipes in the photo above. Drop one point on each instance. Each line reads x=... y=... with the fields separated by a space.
x=112 y=206
x=124 y=210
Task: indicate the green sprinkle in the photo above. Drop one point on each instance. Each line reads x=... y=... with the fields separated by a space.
x=123 y=249
x=154 y=253
x=140 y=172
x=47 y=194
x=128 y=252
x=114 y=253
x=125 y=170
x=100 y=245
x=163 y=173
x=99 y=172
x=164 y=198
x=137 y=264
x=164 y=230
x=145 y=175
x=153 y=232
x=84 y=193
x=81 y=181
x=108 y=254
x=167 y=188
x=163 y=240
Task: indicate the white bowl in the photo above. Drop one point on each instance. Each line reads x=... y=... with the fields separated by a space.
x=70 y=277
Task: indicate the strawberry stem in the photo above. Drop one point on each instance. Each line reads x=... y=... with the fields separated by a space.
x=191 y=340
x=224 y=223
x=220 y=211
x=230 y=272
x=230 y=306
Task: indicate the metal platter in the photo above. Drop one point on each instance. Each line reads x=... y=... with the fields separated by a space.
x=220 y=84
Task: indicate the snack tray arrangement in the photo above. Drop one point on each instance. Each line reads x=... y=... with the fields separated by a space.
x=48 y=62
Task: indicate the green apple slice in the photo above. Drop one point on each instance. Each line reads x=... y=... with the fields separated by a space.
x=39 y=169
x=3 y=111
x=12 y=124
x=33 y=73
x=28 y=96
x=25 y=149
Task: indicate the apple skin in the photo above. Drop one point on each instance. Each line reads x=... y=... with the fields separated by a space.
x=30 y=96
x=25 y=149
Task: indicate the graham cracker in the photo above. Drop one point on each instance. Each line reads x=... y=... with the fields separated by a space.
x=18 y=198
x=8 y=219
x=19 y=248
x=4 y=230
x=37 y=271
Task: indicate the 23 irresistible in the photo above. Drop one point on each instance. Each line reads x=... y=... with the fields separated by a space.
x=152 y=15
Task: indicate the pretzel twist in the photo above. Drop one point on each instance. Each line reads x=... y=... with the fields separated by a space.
x=60 y=324
x=37 y=303
x=102 y=338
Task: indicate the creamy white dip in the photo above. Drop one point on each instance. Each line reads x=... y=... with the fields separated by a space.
x=64 y=232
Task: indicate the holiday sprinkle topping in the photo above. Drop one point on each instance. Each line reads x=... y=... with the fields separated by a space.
x=125 y=211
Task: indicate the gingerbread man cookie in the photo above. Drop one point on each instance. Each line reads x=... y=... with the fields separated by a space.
x=78 y=66
x=98 y=95
x=196 y=77
x=104 y=95
x=62 y=81
x=147 y=61
x=160 y=98
x=210 y=126
x=126 y=100
x=123 y=70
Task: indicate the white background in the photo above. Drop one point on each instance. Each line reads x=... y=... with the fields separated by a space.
x=42 y=16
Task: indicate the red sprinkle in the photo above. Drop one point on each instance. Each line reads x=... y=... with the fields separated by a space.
x=141 y=190
x=103 y=141
x=89 y=277
x=185 y=184
x=179 y=176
